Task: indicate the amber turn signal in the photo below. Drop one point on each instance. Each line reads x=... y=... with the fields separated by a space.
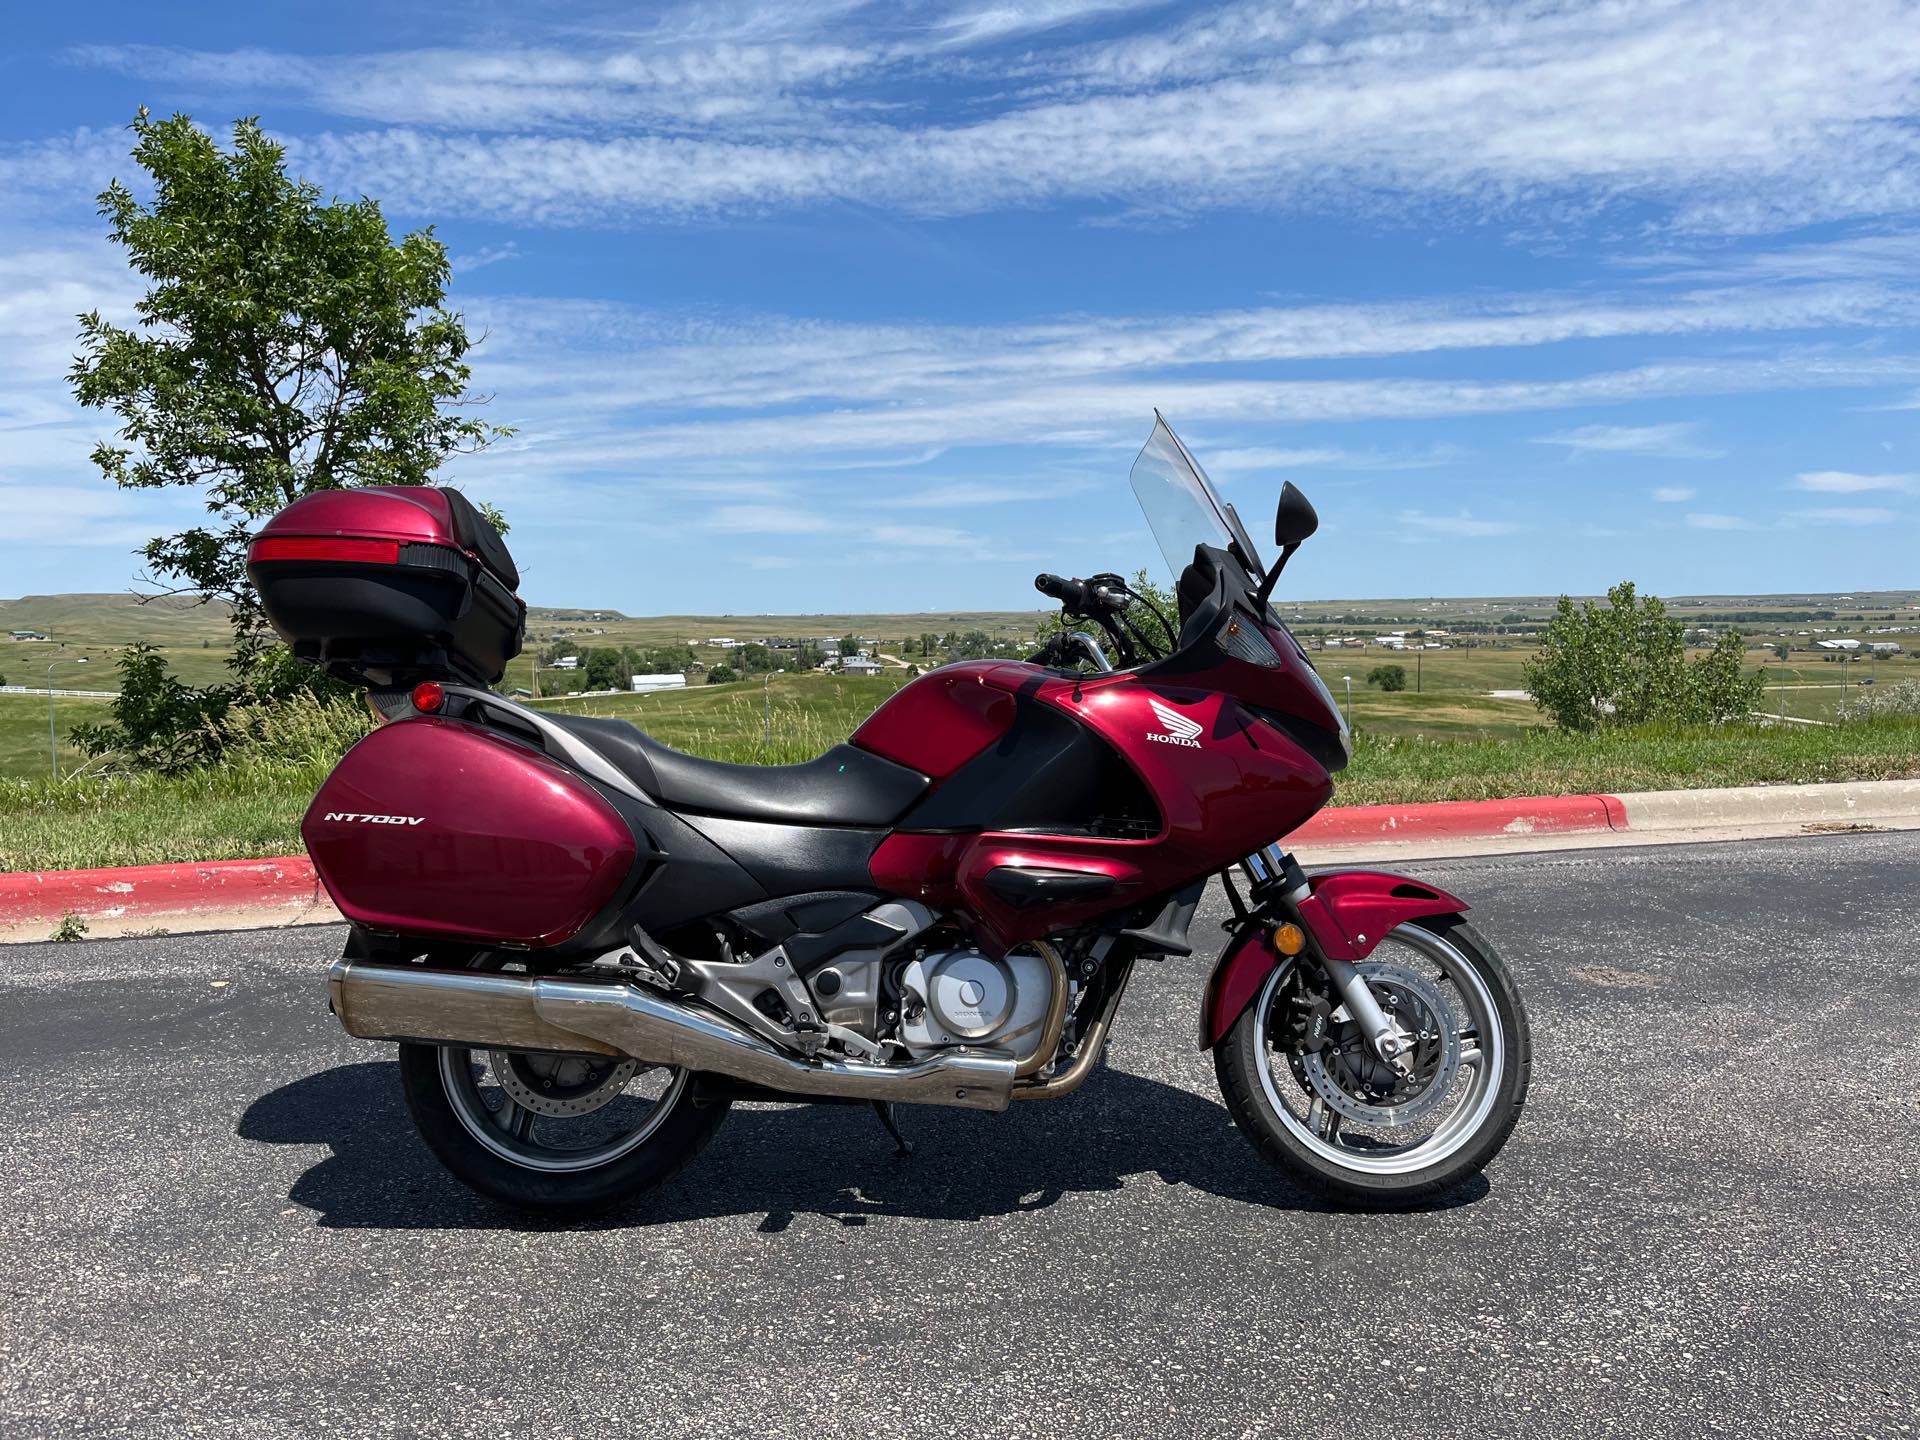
x=428 y=697
x=1289 y=939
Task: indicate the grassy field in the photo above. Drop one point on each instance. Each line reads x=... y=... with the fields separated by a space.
x=23 y=732
x=253 y=808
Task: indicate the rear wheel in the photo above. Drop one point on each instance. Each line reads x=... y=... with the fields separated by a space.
x=1305 y=1087
x=560 y=1135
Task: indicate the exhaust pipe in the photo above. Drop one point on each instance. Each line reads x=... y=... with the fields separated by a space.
x=489 y=1010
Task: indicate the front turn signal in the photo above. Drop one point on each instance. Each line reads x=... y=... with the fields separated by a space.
x=1289 y=939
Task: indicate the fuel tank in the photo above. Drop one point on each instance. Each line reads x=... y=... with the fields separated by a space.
x=434 y=828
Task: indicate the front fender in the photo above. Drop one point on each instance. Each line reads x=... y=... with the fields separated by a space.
x=1347 y=914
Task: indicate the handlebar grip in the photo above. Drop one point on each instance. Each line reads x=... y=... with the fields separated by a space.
x=1070 y=593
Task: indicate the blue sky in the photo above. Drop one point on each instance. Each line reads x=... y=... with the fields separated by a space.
x=821 y=306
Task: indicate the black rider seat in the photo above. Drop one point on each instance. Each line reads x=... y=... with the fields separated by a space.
x=845 y=786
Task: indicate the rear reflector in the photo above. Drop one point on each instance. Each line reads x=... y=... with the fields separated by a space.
x=325 y=547
x=428 y=697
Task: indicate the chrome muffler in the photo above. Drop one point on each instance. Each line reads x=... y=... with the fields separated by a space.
x=489 y=1010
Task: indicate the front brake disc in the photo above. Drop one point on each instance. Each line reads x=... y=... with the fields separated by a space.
x=1357 y=1086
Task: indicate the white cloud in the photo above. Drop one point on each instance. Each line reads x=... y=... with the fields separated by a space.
x=1465 y=525
x=1731 y=115
x=1672 y=441
x=767 y=520
x=1845 y=515
x=1719 y=522
x=1674 y=494
x=1842 y=482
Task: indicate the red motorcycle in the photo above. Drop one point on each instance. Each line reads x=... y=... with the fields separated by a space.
x=590 y=944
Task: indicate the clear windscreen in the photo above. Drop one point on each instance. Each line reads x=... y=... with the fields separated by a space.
x=1182 y=508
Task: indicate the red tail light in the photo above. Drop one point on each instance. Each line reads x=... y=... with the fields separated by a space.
x=325 y=547
x=428 y=697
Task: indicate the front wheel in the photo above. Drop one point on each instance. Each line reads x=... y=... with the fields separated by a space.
x=558 y=1135
x=1304 y=1085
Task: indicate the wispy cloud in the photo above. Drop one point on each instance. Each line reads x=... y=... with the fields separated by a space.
x=1465 y=525
x=1671 y=441
x=1844 y=515
x=1731 y=115
x=1843 y=482
x=1674 y=494
x=1709 y=521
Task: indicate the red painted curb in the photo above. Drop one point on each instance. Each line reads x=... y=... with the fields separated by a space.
x=1461 y=819
x=286 y=883
x=289 y=882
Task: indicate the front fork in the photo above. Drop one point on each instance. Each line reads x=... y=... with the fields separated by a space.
x=1276 y=876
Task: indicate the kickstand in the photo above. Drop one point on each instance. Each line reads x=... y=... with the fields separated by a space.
x=884 y=1109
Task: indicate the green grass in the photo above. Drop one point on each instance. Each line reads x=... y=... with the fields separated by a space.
x=23 y=732
x=253 y=807
x=1390 y=770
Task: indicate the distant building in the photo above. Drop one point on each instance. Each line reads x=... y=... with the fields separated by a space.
x=566 y=662
x=1883 y=647
x=643 y=683
x=860 y=665
x=29 y=634
x=1837 y=644
x=723 y=642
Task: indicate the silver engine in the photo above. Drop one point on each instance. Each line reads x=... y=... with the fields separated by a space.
x=962 y=997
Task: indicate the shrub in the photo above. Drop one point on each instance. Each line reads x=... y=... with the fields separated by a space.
x=1388 y=677
x=1902 y=698
x=722 y=675
x=1625 y=663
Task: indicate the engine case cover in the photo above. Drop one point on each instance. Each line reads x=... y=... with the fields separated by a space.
x=964 y=997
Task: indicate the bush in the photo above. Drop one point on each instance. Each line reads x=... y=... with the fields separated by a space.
x=1902 y=698
x=1388 y=677
x=1625 y=664
x=722 y=675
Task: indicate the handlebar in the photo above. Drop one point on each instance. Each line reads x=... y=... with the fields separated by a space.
x=1081 y=597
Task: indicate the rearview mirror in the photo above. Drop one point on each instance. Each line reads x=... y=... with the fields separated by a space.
x=1293 y=519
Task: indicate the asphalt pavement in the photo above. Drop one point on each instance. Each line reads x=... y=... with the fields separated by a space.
x=218 y=1221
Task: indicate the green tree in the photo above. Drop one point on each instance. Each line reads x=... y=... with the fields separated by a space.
x=158 y=721
x=722 y=675
x=849 y=646
x=1388 y=677
x=285 y=344
x=1624 y=663
x=604 y=668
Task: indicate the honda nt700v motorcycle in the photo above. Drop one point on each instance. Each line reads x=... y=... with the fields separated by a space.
x=589 y=944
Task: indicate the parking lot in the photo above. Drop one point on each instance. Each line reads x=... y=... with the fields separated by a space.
x=218 y=1220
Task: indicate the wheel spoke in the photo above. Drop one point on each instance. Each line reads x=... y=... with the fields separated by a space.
x=516 y=1120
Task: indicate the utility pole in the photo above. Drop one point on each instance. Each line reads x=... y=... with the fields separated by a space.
x=1418 y=655
x=766 y=713
x=1349 y=680
x=53 y=743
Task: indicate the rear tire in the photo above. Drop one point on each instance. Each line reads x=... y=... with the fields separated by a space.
x=447 y=1121
x=1243 y=1061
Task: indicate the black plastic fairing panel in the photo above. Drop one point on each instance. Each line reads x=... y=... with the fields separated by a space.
x=794 y=859
x=1047 y=774
x=1023 y=886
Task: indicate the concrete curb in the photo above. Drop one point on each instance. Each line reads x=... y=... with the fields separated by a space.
x=262 y=892
x=247 y=894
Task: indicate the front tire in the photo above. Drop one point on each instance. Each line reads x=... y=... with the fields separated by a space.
x=482 y=1115
x=1348 y=1131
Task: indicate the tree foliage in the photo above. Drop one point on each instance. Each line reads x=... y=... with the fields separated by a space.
x=1625 y=663
x=1388 y=677
x=285 y=344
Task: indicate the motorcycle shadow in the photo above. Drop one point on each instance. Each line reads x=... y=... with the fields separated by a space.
x=832 y=1161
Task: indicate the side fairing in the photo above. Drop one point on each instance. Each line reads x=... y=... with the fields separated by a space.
x=1223 y=783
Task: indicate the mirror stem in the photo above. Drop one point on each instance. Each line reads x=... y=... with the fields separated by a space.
x=1273 y=575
